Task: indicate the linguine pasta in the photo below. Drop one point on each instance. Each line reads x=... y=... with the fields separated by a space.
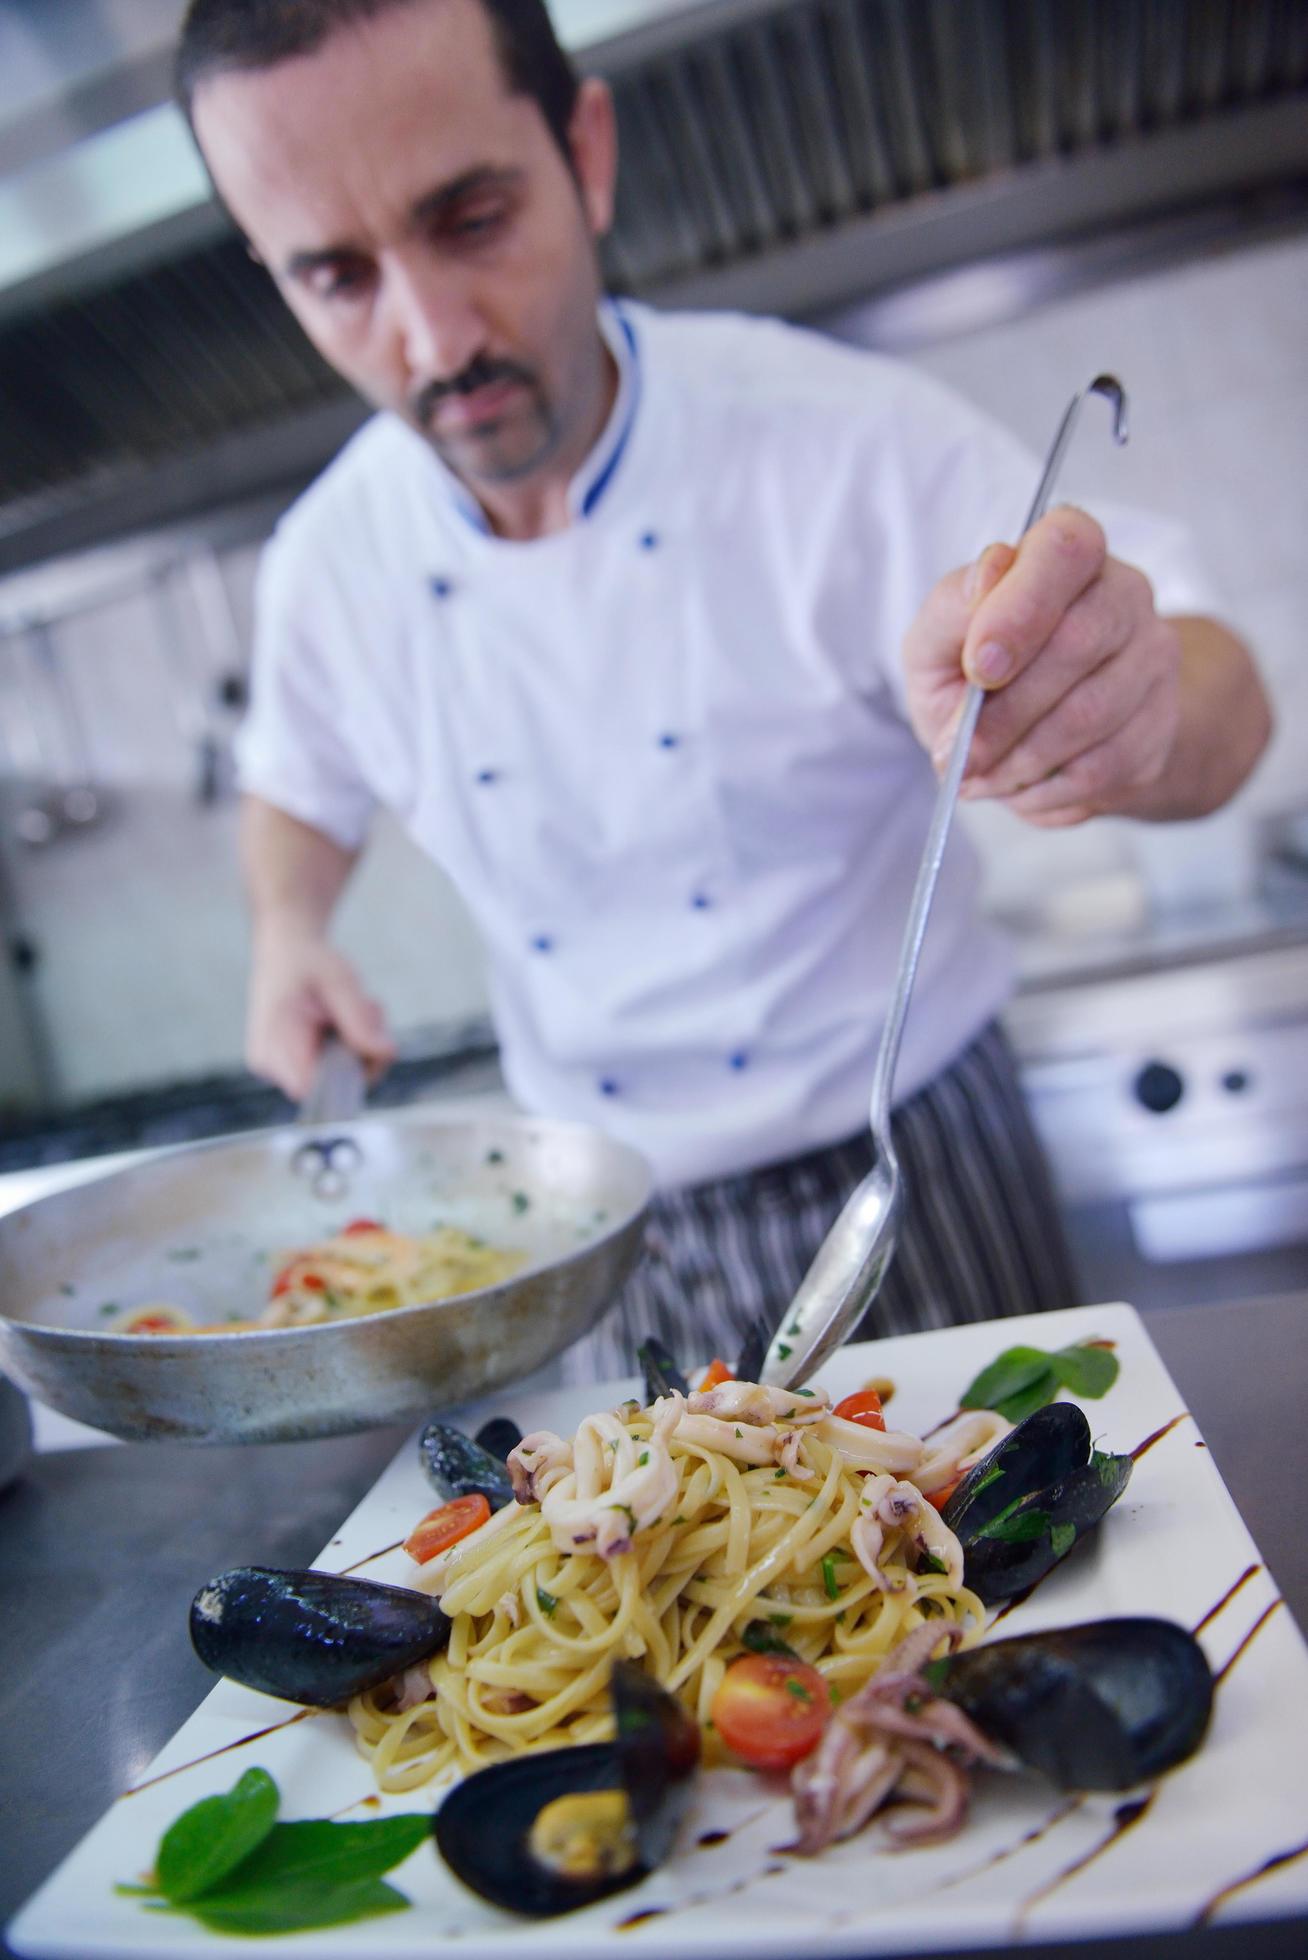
x=364 y=1269
x=662 y=1535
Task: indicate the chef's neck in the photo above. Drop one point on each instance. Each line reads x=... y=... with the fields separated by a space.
x=538 y=505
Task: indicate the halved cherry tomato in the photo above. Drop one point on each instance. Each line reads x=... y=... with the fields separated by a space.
x=361 y=1225
x=942 y=1496
x=865 y=1408
x=153 y=1323
x=446 y=1525
x=295 y=1275
x=717 y=1372
x=770 y=1710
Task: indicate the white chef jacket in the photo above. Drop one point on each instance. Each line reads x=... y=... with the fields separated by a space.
x=663 y=754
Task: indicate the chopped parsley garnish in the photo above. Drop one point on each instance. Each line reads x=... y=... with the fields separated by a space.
x=520 y=1201
x=829 y=1580
x=546 y=1601
x=797 y=1689
x=930 y=1563
x=763 y=1639
x=784 y=1350
x=642 y=1459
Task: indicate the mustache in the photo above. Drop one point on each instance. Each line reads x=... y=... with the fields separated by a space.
x=480 y=373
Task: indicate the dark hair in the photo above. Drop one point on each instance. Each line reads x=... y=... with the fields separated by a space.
x=219 y=36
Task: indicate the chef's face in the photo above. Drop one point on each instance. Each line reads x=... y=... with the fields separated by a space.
x=427 y=231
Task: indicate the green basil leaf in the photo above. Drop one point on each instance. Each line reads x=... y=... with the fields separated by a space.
x=760 y=1638
x=207 y=1841
x=296 y=1908
x=322 y=1853
x=1062 y=1538
x=1017 y=1407
x=1088 y=1371
x=1009 y=1374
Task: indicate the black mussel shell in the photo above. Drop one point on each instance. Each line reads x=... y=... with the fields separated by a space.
x=1023 y=1507
x=753 y=1350
x=498 y=1436
x=483 y=1827
x=312 y=1637
x=455 y=1466
x=662 y=1375
x=1042 y=1450
x=1014 y=1553
x=1095 y=1707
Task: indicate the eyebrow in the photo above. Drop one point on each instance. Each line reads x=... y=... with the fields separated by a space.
x=428 y=208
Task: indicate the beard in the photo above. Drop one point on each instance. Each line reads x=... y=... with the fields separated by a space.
x=505 y=445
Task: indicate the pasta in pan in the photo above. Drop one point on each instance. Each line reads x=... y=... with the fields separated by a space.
x=667 y=1535
x=363 y=1269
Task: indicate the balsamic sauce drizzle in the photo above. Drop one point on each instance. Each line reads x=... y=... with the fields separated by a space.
x=1124 y=1817
x=1250 y=1572
x=385 y=1550
x=1257 y=1627
x=1158 y=1435
x=241 y=1742
x=1056 y=1816
x=1271 y=1864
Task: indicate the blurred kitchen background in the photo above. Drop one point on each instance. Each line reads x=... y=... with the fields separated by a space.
x=1013 y=194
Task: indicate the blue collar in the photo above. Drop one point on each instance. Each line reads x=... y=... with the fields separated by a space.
x=600 y=467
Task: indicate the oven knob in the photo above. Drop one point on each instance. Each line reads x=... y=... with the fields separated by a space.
x=1158 y=1087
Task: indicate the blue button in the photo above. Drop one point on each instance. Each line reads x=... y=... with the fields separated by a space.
x=739 y=1060
x=650 y=541
x=542 y=943
x=488 y=775
x=441 y=588
x=701 y=901
x=607 y=1086
x=669 y=741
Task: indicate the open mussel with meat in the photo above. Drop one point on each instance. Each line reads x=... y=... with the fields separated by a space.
x=1027 y=1502
x=1101 y=1706
x=456 y=1466
x=545 y=1833
x=312 y=1637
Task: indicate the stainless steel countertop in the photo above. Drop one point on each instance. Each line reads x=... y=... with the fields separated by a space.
x=101 y=1551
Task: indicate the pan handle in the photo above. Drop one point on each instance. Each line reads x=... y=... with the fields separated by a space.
x=339 y=1084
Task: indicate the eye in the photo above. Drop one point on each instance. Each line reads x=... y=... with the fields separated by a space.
x=343 y=279
x=478 y=219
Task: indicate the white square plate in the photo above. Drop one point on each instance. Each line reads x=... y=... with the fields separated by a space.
x=1207 y=1843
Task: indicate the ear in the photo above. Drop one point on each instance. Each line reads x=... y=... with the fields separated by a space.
x=593 y=143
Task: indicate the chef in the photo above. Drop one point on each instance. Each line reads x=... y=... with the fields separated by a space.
x=650 y=628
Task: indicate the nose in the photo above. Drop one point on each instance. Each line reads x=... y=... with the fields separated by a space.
x=432 y=314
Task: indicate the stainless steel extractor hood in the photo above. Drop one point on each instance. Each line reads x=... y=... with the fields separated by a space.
x=778 y=154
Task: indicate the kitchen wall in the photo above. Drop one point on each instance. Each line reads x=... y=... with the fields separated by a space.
x=136 y=922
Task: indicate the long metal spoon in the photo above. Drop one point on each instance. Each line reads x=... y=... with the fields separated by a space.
x=853 y=1259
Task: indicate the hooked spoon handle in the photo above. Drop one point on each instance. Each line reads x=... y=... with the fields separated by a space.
x=928 y=874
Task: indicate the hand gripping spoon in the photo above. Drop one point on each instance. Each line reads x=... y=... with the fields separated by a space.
x=853 y=1259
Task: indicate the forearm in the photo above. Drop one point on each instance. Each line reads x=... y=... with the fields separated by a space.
x=1225 y=722
x=293 y=874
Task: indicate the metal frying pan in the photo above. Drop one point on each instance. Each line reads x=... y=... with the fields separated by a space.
x=202 y=1229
